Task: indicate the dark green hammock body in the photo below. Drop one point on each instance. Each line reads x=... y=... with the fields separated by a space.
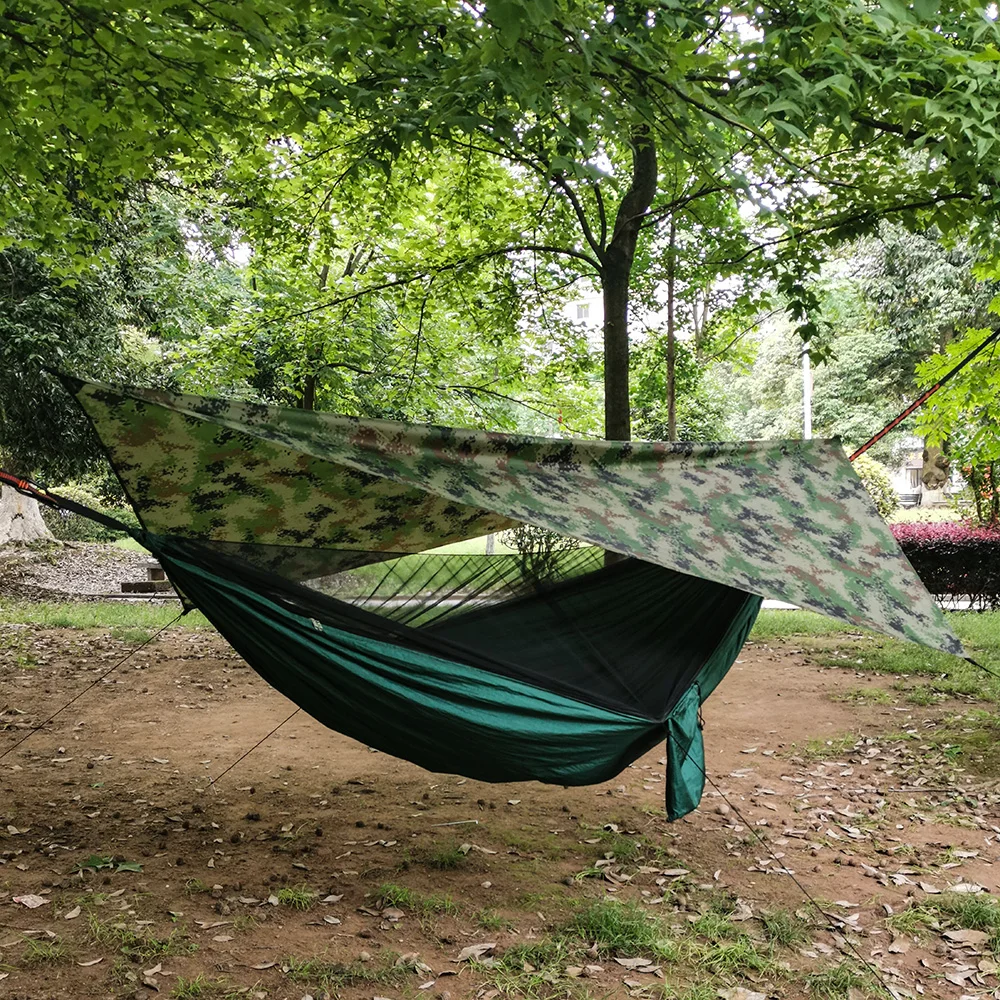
x=524 y=689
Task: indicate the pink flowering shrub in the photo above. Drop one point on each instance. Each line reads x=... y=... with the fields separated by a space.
x=954 y=559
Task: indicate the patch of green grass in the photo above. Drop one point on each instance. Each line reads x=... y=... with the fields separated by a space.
x=624 y=848
x=834 y=644
x=391 y=894
x=196 y=989
x=243 y=922
x=130 y=635
x=298 y=897
x=971 y=911
x=777 y=625
x=737 y=956
x=842 y=982
x=446 y=858
x=914 y=920
x=716 y=927
x=96 y=615
x=694 y=991
x=921 y=694
x=138 y=945
x=784 y=928
x=44 y=952
x=622 y=929
x=535 y=971
x=971 y=740
x=338 y=975
x=836 y=746
x=490 y=920
x=193 y=886
x=863 y=696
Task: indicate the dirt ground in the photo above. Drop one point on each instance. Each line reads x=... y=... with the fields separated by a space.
x=154 y=881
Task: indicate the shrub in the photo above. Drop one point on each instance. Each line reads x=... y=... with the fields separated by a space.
x=69 y=527
x=875 y=476
x=954 y=559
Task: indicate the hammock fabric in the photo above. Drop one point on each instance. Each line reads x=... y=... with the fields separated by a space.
x=498 y=669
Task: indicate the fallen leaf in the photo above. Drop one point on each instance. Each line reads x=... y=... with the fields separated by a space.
x=928 y=888
x=634 y=963
x=154 y=970
x=93 y=961
x=967 y=937
x=264 y=965
x=30 y=900
x=72 y=914
x=474 y=951
x=740 y=993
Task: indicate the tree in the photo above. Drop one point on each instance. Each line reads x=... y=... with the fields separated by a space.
x=825 y=116
x=884 y=306
x=100 y=323
x=966 y=414
x=813 y=113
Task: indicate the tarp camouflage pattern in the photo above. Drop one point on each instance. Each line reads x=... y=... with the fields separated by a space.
x=788 y=520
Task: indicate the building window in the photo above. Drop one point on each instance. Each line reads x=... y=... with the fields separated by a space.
x=583 y=312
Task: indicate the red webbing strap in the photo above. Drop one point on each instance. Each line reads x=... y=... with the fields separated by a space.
x=36 y=492
x=920 y=400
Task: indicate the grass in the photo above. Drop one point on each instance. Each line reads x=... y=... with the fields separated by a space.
x=490 y=920
x=338 y=975
x=836 y=746
x=44 y=952
x=863 y=696
x=138 y=946
x=446 y=858
x=833 y=644
x=534 y=971
x=298 y=897
x=131 y=635
x=622 y=929
x=843 y=982
x=107 y=614
x=738 y=956
x=784 y=928
x=773 y=624
x=194 y=989
x=400 y=896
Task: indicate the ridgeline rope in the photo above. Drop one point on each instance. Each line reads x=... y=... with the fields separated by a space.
x=920 y=400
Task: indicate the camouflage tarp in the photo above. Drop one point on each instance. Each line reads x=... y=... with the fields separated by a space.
x=788 y=520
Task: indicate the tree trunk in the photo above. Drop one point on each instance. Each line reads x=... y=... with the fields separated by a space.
x=671 y=339
x=616 y=274
x=20 y=518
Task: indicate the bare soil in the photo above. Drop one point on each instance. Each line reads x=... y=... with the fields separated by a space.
x=867 y=826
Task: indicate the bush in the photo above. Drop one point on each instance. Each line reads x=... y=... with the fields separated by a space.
x=875 y=476
x=69 y=527
x=953 y=559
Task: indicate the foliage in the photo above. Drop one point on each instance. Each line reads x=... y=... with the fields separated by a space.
x=69 y=527
x=877 y=481
x=539 y=550
x=965 y=413
x=884 y=305
x=954 y=559
x=756 y=137
x=701 y=405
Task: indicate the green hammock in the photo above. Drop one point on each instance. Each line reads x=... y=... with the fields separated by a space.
x=501 y=668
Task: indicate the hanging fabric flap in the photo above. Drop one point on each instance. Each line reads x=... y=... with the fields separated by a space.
x=788 y=520
x=685 y=777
